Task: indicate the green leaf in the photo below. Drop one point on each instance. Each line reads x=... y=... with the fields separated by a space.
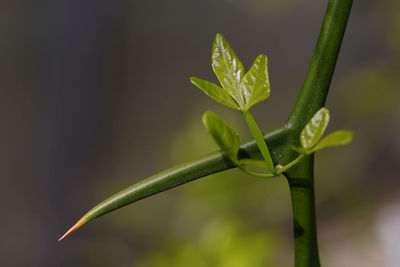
x=228 y=68
x=337 y=138
x=225 y=137
x=255 y=84
x=314 y=129
x=215 y=92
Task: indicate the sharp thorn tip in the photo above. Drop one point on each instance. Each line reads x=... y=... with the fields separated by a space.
x=73 y=228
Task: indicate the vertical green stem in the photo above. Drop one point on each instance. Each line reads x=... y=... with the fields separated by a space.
x=301 y=182
x=256 y=132
x=316 y=85
x=312 y=97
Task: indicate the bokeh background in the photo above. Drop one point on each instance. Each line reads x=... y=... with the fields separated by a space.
x=95 y=96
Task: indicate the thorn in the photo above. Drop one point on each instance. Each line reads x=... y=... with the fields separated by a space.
x=285 y=125
x=73 y=228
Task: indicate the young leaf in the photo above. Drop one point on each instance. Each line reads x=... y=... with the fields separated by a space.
x=215 y=92
x=314 y=129
x=225 y=137
x=337 y=138
x=228 y=68
x=255 y=84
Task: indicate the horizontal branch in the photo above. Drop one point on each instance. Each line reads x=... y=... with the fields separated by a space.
x=181 y=174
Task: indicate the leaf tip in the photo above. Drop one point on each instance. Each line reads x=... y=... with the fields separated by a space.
x=263 y=57
x=219 y=35
x=193 y=80
x=73 y=228
x=219 y=40
x=207 y=116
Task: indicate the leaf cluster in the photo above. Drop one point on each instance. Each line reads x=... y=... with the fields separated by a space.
x=241 y=91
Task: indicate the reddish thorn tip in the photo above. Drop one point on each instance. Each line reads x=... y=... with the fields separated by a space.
x=73 y=228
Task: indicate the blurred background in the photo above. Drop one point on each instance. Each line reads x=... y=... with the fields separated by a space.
x=95 y=96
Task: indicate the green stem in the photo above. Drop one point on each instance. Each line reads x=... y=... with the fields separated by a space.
x=184 y=173
x=242 y=163
x=312 y=97
x=316 y=84
x=290 y=164
x=301 y=182
x=256 y=132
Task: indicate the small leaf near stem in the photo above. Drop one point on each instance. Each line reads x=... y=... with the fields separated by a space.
x=314 y=129
x=225 y=137
x=256 y=132
x=337 y=138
